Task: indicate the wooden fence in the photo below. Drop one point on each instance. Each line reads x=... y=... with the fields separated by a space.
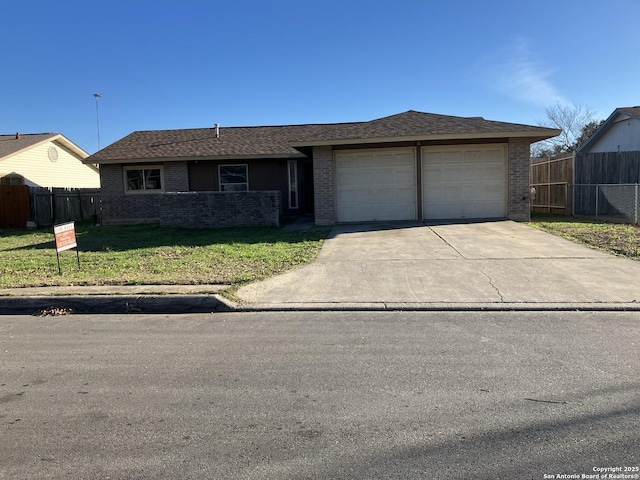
x=56 y=205
x=608 y=168
x=14 y=206
x=612 y=202
x=552 y=179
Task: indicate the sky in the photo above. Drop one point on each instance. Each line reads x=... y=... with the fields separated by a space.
x=172 y=64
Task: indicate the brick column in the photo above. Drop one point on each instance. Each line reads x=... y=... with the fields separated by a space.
x=324 y=186
x=519 y=181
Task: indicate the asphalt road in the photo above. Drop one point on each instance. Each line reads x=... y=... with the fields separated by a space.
x=320 y=395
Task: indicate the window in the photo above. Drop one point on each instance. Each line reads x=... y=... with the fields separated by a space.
x=293 y=183
x=141 y=180
x=233 y=178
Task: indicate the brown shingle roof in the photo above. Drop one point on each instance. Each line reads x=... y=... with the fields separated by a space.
x=631 y=110
x=415 y=124
x=278 y=140
x=10 y=145
x=202 y=142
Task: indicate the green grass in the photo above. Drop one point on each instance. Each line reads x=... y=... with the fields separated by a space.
x=153 y=255
x=618 y=239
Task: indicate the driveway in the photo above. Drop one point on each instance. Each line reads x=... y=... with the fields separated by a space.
x=500 y=262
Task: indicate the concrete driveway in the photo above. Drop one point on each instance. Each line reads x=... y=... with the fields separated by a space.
x=474 y=265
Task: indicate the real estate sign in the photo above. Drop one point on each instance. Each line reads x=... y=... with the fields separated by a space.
x=65 y=234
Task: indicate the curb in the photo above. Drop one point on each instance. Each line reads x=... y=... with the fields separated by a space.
x=212 y=303
x=442 y=307
x=167 y=304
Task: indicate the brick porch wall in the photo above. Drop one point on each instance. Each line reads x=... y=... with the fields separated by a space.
x=519 y=183
x=220 y=209
x=324 y=190
x=118 y=208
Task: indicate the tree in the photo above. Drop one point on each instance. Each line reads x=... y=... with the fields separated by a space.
x=577 y=125
x=587 y=131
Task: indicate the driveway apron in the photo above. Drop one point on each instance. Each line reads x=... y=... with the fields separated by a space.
x=472 y=263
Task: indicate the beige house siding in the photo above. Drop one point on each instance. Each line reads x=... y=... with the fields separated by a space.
x=38 y=170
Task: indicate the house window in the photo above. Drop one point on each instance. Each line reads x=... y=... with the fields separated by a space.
x=140 y=180
x=233 y=178
x=292 y=167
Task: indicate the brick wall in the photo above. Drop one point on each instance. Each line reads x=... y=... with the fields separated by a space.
x=118 y=208
x=176 y=177
x=220 y=209
x=324 y=190
x=111 y=181
x=519 y=205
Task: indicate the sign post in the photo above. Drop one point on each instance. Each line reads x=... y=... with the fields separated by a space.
x=65 y=234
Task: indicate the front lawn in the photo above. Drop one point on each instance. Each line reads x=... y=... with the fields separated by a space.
x=616 y=238
x=149 y=254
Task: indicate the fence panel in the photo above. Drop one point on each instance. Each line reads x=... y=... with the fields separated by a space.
x=551 y=180
x=608 y=168
x=57 y=205
x=612 y=202
x=14 y=206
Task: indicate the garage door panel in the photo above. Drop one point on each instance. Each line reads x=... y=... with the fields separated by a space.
x=376 y=185
x=464 y=182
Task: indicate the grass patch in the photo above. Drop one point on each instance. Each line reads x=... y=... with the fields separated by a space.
x=618 y=239
x=154 y=255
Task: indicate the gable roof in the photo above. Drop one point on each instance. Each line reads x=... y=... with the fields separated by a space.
x=602 y=129
x=286 y=140
x=415 y=126
x=246 y=142
x=634 y=111
x=16 y=143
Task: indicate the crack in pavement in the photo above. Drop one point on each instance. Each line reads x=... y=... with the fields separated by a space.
x=492 y=284
x=446 y=243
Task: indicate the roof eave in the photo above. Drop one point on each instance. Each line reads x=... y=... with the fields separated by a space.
x=71 y=146
x=29 y=147
x=534 y=135
x=114 y=161
x=600 y=131
x=55 y=137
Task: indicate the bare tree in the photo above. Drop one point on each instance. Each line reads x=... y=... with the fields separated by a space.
x=573 y=120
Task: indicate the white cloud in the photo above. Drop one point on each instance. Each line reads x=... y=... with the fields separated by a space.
x=521 y=75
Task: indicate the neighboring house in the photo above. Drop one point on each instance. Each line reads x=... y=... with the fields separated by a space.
x=409 y=166
x=612 y=153
x=607 y=168
x=45 y=160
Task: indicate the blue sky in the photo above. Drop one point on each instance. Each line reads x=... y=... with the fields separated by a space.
x=163 y=64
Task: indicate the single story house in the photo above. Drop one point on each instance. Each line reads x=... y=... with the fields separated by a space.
x=612 y=153
x=409 y=166
x=45 y=160
x=607 y=168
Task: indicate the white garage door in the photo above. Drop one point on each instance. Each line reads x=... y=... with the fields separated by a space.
x=375 y=185
x=464 y=182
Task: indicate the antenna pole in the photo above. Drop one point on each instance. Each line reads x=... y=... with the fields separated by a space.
x=97 y=96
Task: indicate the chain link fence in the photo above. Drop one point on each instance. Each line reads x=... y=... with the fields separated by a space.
x=613 y=202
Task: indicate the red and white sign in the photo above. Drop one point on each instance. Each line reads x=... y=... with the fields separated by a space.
x=65 y=234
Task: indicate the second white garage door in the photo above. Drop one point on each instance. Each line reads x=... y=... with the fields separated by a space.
x=464 y=182
x=375 y=185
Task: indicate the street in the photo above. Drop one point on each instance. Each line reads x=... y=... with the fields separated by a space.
x=323 y=395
